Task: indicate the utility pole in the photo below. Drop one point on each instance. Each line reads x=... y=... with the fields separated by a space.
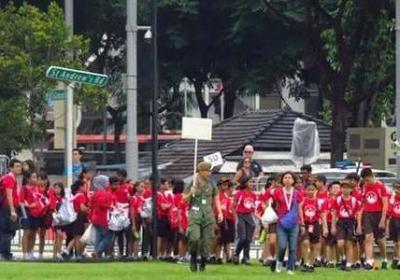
x=131 y=147
x=69 y=104
x=397 y=110
x=154 y=130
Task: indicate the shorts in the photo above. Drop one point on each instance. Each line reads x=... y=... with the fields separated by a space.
x=163 y=227
x=394 y=229
x=312 y=233
x=345 y=229
x=35 y=222
x=370 y=224
x=227 y=232
x=182 y=236
x=78 y=227
x=272 y=228
x=331 y=239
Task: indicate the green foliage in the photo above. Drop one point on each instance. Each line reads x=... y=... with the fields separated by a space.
x=30 y=42
x=14 y=126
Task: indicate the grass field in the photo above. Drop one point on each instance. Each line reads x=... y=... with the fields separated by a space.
x=165 y=271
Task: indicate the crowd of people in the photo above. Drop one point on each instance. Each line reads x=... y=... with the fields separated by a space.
x=300 y=220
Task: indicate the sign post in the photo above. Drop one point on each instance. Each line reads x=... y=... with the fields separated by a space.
x=197 y=129
x=73 y=76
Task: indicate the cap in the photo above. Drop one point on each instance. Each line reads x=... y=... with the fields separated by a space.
x=100 y=182
x=203 y=166
x=225 y=180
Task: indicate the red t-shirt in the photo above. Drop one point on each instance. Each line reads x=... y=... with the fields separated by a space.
x=10 y=182
x=278 y=197
x=329 y=207
x=120 y=194
x=164 y=198
x=53 y=200
x=372 y=197
x=245 y=201
x=79 y=200
x=147 y=193
x=27 y=194
x=226 y=206
x=136 y=204
x=183 y=209
x=312 y=209
x=346 y=208
x=394 y=207
x=100 y=205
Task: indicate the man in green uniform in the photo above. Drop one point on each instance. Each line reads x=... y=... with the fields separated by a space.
x=201 y=196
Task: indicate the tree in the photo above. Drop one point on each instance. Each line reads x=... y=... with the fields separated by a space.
x=30 y=42
x=349 y=45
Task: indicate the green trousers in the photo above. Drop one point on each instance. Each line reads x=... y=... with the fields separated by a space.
x=200 y=236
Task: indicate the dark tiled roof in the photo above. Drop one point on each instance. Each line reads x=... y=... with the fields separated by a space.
x=267 y=130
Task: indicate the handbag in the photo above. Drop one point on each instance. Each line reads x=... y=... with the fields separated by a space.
x=89 y=236
x=269 y=216
x=289 y=220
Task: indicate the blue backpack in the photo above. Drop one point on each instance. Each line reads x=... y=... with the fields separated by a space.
x=289 y=220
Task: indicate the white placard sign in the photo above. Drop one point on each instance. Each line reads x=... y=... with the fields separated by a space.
x=215 y=159
x=197 y=128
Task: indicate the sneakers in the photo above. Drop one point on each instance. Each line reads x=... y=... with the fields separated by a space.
x=193 y=264
x=273 y=265
x=307 y=268
x=235 y=260
x=65 y=254
x=394 y=264
x=290 y=272
x=219 y=261
x=245 y=261
x=368 y=266
x=278 y=267
x=384 y=265
x=202 y=266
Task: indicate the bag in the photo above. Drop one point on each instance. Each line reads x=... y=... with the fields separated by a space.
x=173 y=218
x=289 y=220
x=118 y=221
x=66 y=214
x=269 y=216
x=89 y=236
x=147 y=209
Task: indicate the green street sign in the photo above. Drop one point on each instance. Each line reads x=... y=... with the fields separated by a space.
x=56 y=94
x=72 y=75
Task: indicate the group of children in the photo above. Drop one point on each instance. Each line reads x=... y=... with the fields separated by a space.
x=335 y=225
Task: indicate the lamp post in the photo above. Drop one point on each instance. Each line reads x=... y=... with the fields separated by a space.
x=397 y=108
x=69 y=104
x=154 y=131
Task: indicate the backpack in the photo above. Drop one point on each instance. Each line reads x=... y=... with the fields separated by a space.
x=66 y=214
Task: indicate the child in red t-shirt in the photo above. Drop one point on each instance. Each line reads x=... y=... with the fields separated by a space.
x=347 y=210
x=227 y=227
x=183 y=220
x=394 y=223
x=77 y=228
x=244 y=206
x=165 y=201
x=330 y=240
x=375 y=206
x=311 y=212
x=59 y=195
x=28 y=198
x=136 y=206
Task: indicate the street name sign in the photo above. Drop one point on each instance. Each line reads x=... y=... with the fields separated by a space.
x=73 y=75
